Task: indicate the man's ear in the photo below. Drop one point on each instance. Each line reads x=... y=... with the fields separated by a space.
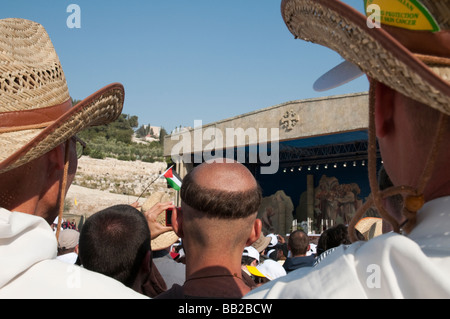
x=384 y=109
x=255 y=233
x=177 y=222
x=56 y=158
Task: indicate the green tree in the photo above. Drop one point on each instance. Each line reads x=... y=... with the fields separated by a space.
x=115 y=140
x=120 y=130
x=74 y=101
x=162 y=133
x=142 y=131
x=133 y=121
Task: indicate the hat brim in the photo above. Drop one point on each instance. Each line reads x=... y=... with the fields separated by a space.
x=102 y=107
x=378 y=54
x=255 y=271
x=163 y=241
x=261 y=243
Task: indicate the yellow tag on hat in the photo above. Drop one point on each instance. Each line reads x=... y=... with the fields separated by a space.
x=406 y=14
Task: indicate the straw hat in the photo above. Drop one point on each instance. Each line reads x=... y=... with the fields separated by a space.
x=370 y=227
x=414 y=62
x=261 y=243
x=166 y=239
x=36 y=112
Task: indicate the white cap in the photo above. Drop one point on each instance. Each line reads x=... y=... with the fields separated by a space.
x=273 y=240
x=271 y=269
x=312 y=249
x=251 y=252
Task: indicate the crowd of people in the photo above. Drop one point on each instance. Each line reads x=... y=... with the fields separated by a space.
x=116 y=242
x=224 y=253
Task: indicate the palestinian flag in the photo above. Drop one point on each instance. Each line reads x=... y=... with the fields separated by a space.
x=173 y=179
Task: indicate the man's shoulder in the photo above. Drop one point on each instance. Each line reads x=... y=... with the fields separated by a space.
x=300 y=260
x=56 y=279
x=364 y=270
x=82 y=282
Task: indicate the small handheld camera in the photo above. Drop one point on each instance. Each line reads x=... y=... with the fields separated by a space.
x=169 y=215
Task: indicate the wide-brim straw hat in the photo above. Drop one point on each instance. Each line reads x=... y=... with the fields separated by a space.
x=166 y=239
x=370 y=227
x=415 y=63
x=36 y=113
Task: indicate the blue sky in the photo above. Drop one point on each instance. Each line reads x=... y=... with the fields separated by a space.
x=184 y=60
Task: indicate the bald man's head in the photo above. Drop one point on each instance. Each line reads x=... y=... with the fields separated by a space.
x=221 y=190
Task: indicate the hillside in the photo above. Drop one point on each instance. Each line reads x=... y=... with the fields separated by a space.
x=100 y=183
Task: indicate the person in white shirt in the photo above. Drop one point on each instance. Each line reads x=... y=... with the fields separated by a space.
x=409 y=104
x=38 y=161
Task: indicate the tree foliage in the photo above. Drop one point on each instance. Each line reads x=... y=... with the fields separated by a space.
x=120 y=131
x=116 y=140
x=143 y=131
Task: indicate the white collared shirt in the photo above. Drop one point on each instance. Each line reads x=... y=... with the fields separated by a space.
x=29 y=268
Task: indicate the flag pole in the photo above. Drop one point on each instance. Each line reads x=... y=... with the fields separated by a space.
x=152 y=183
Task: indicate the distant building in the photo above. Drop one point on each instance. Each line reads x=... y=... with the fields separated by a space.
x=154 y=131
x=153 y=134
x=319 y=156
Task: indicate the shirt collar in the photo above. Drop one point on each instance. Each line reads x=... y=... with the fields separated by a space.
x=432 y=232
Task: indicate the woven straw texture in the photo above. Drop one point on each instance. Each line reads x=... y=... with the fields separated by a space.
x=31 y=75
x=31 y=78
x=440 y=10
x=102 y=110
x=313 y=22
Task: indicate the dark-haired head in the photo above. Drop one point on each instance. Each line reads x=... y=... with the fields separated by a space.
x=114 y=242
